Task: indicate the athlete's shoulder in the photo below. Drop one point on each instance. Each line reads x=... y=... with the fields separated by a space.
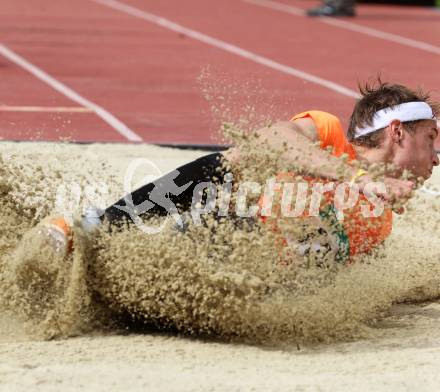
x=328 y=125
x=329 y=130
x=320 y=117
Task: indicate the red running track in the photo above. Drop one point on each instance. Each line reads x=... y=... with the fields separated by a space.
x=154 y=81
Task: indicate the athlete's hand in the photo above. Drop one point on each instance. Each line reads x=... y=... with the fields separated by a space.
x=398 y=191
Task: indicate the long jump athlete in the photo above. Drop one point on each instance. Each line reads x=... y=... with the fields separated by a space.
x=391 y=125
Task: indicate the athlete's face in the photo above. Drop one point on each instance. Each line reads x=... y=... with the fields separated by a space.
x=416 y=152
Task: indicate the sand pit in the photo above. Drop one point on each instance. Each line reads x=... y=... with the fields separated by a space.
x=374 y=346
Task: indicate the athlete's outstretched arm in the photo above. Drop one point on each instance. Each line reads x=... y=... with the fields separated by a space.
x=298 y=142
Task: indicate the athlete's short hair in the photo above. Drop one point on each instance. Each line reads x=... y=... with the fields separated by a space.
x=379 y=95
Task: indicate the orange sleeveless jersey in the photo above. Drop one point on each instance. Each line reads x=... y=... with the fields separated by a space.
x=363 y=233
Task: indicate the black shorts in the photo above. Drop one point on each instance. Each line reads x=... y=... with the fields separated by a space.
x=177 y=187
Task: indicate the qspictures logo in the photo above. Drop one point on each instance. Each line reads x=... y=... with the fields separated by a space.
x=212 y=198
x=148 y=190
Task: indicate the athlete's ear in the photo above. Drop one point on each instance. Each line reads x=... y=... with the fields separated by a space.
x=396 y=131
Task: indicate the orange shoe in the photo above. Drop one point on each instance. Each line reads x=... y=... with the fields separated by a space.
x=58 y=232
x=58 y=235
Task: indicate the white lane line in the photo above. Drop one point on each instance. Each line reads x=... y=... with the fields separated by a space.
x=350 y=26
x=68 y=92
x=227 y=47
x=44 y=109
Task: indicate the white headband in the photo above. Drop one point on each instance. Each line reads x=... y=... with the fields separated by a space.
x=411 y=111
